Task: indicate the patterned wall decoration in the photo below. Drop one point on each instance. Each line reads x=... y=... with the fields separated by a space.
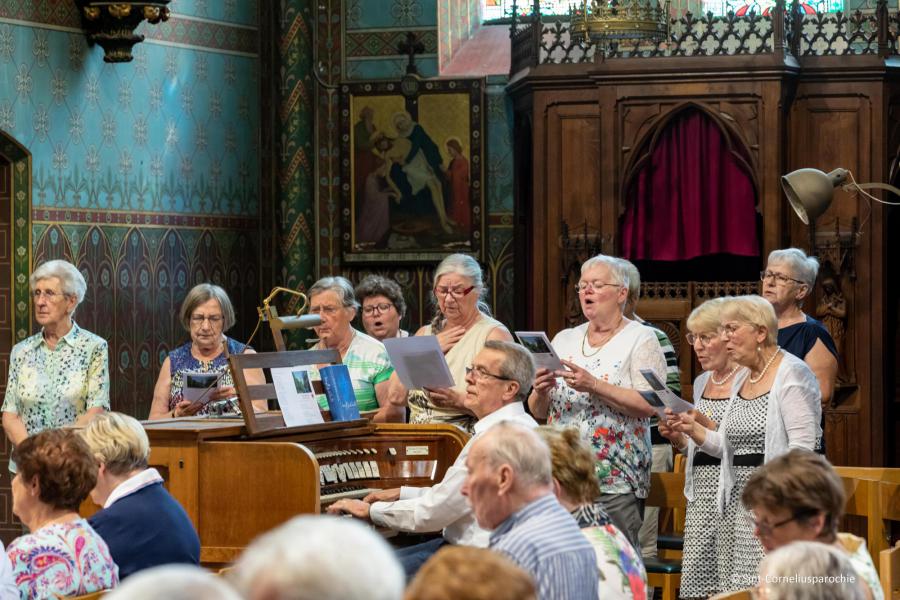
x=144 y=174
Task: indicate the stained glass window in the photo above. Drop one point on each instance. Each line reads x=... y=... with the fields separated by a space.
x=744 y=7
x=502 y=9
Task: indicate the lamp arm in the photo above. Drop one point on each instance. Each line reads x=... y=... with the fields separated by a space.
x=275 y=291
x=875 y=186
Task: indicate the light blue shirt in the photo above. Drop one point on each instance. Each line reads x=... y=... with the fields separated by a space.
x=544 y=539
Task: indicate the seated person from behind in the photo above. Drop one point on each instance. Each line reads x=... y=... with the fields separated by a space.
x=467 y=573
x=799 y=497
x=174 y=582
x=62 y=555
x=383 y=307
x=143 y=525
x=622 y=574
x=510 y=488
x=317 y=557
x=206 y=314
x=498 y=384
x=808 y=571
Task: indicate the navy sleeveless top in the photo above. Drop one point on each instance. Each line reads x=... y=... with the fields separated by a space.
x=799 y=339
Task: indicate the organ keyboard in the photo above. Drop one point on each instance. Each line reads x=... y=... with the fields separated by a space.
x=235 y=487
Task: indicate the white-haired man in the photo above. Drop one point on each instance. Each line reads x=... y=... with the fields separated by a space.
x=510 y=487
x=498 y=382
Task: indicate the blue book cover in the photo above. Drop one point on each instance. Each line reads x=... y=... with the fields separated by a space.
x=339 y=392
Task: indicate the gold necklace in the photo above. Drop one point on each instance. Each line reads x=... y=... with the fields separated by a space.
x=766 y=367
x=712 y=376
x=584 y=339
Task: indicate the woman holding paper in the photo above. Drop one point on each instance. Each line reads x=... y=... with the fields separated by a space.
x=462 y=324
x=60 y=375
x=775 y=406
x=206 y=314
x=599 y=391
x=712 y=391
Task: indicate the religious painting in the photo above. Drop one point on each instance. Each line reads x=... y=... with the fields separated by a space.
x=411 y=159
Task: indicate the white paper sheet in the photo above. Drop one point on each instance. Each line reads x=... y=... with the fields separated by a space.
x=296 y=398
x=538 y=344
x=665 y=395
x=419 y=362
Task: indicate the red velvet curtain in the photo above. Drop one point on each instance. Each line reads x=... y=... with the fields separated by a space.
x=692 y=197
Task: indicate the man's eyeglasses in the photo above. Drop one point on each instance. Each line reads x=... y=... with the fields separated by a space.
x=50 y=295
x=478 y=373
x=213 y=320
x=456 y=292
x=381 y=308
x=324 y=310
x=705 y=339
x=595 y=285
x=778 y=277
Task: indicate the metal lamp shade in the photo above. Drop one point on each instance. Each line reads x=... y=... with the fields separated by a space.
x=810 y=191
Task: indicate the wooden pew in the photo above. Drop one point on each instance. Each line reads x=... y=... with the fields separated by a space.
x=666 y=491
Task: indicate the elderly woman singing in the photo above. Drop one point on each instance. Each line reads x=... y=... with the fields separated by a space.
x=60 y=375
x=598 y=391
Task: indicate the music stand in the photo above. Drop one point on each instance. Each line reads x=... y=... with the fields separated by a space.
x=269 y=422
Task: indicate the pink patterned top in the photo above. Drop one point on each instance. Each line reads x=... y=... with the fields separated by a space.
x=62 y=559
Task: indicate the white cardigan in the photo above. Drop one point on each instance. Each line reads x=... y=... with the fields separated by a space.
x=793 y=414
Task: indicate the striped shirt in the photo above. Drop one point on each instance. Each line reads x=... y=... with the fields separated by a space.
x=369 y=365
x=544 y=539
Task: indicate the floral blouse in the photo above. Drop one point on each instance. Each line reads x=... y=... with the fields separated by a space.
x=621 y=443
x=622 y=572
x=61 y=559
x=51 y=388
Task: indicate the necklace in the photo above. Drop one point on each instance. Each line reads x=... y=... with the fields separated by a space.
x=712 y=376
x=584 y=341
x=766 y=367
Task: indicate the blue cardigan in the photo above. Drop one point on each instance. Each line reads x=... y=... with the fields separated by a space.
x=146 y=529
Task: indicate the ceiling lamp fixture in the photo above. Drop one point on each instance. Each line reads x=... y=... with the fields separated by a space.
x=608 y=22
x=811 y=191
x=112 y=24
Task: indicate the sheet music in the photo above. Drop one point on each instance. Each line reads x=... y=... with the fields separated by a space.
x=668 y=398
x=542 y=351
x=419 y=362
x=296 y=397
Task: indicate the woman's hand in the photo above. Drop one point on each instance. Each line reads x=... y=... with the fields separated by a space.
x=682 y=422
x=222 y=393
x=446 y=398
x=186 y=408
x=448 y=337
x=544 y=382
x=577 y=378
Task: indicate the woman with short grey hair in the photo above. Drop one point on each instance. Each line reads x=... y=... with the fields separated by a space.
x=368 y=362
x=809 y=571
x=788 y=280
x=462 y=324
x=206 y=314
x=60 y=375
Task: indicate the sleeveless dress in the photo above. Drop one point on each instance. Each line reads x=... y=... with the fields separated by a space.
x=699 y=577
x=181 y=361
x=460 y=356
x=739 y=551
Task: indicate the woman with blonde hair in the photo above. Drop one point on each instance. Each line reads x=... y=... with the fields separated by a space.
x=775 y=406
x=143 y=525
x=622 y=574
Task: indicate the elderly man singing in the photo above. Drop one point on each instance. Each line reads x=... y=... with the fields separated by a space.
x=510 y=487
x=498 y=382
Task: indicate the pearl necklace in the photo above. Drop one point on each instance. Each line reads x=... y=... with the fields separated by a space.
x=712 y=376
x=766 y=367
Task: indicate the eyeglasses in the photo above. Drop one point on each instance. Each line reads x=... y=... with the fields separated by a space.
x=766 y=529
x=705 y=339
x=729 y=328
x=778 y=277
x=456 y=292
x=383 y=307
x=478 y=373
x=214 y=320
x=595 y=285
x=50 y=295
x=324 y=310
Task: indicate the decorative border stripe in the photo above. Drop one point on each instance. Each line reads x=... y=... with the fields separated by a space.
x=143 y=219
x=384 y=43
x=190 y=32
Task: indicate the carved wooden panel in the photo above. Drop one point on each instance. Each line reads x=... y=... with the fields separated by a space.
x=10 y=527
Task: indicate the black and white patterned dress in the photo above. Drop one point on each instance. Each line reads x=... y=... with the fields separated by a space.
x=739 y=552
x=700 y=577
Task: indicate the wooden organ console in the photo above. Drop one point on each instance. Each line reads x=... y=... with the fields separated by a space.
x=235 y=487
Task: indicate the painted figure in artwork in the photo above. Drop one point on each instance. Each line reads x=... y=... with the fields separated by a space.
x=458 y=176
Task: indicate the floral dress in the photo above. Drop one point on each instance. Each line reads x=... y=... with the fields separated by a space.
x=622 y=573
x=621 y=443
x=61 y=559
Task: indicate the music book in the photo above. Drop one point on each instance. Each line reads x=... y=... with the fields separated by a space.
x=339 y=392
x=665 y=398
x=296 y=398
x=542 y=351
x=419 y=362
x=198 y=387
